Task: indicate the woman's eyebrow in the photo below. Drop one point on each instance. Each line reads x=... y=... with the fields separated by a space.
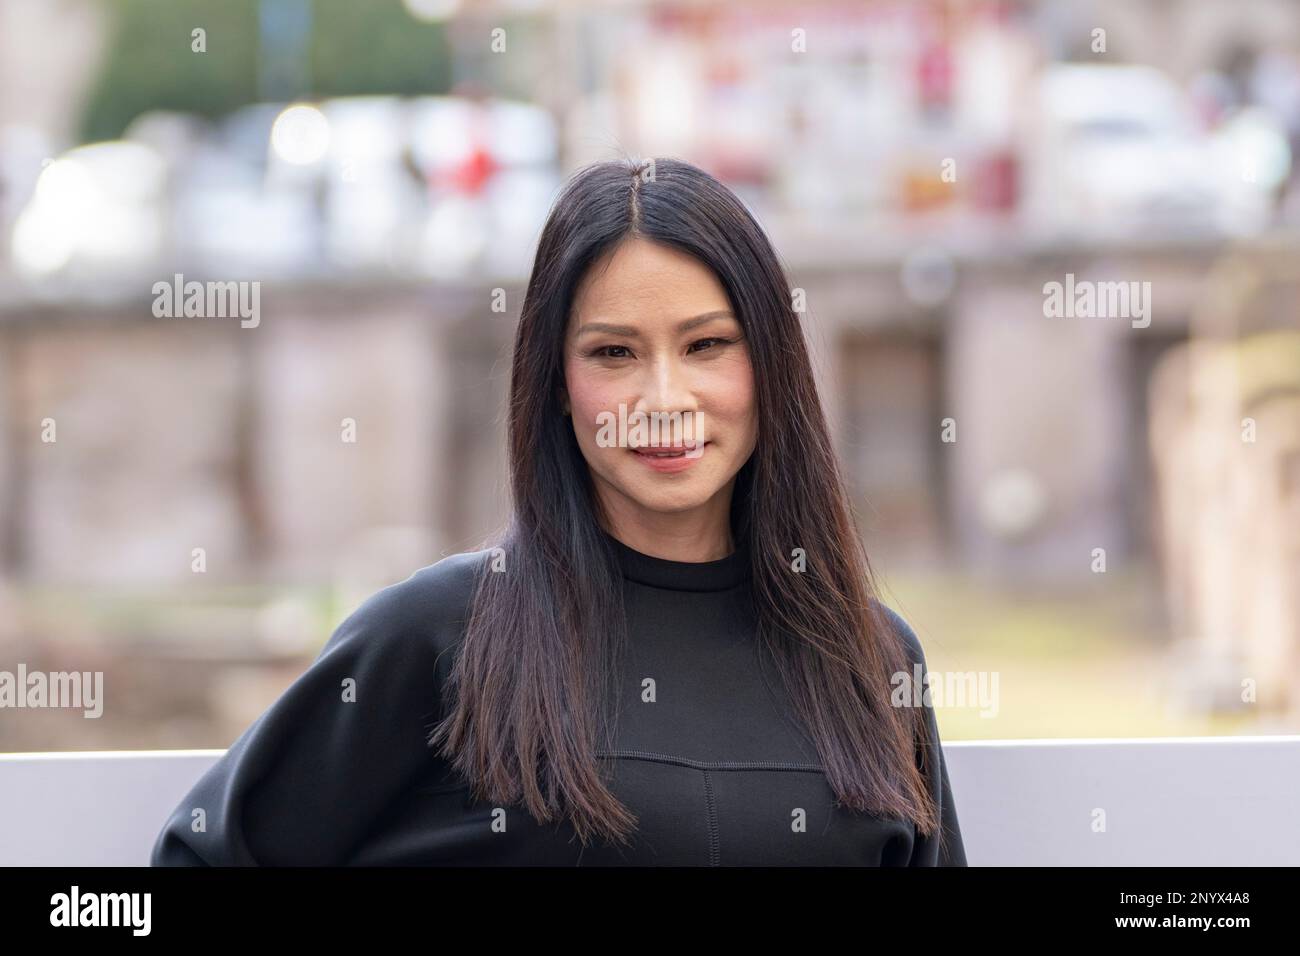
x=684 y=326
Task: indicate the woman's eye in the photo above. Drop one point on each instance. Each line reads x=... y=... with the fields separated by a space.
x=707 y=342
x=622 y=351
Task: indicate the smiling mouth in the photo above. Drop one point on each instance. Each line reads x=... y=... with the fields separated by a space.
x=670 y=451
x=660 y=454
x=666 y=451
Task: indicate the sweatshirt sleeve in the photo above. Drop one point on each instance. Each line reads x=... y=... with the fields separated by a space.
x=309 y=778
x=944 y=847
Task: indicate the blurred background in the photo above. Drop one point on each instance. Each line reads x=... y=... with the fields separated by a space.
x=1101 y=515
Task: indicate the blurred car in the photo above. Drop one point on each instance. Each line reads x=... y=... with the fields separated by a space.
x=95 y=209
x=437 y=186
x=1121 y=146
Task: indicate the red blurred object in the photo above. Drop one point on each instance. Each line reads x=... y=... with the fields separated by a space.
x=472 y=175
x=934 y=76
x=997 y=181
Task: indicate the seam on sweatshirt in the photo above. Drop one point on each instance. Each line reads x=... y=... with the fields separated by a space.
x=668 y=590
x=713 y=764
x=452 y=787
x=712 y=810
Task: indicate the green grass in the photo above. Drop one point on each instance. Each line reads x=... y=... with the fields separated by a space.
x=113 y=611
x=1083 y=664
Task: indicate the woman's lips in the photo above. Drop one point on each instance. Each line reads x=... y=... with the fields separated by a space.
x=668 y=458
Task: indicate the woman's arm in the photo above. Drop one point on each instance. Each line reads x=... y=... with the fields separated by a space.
x=945 y=846
x=309 y=778
x=951 y=850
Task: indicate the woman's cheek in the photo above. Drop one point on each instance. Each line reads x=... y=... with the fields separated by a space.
x=733 y=394
x=588 y=400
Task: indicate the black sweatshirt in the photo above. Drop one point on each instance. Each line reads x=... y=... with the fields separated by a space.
x=715 y=766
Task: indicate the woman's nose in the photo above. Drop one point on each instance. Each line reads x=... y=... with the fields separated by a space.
x=665 y=388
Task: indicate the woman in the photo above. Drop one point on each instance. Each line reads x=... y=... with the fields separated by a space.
x=672 y=656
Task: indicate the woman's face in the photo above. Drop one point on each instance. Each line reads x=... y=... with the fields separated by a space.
x=652 y=329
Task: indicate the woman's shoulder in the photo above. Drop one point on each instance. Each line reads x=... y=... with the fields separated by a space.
x=430 y=605
x=440 y=591
x=904 y=631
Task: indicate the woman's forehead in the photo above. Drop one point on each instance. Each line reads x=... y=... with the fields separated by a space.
x=644 y=280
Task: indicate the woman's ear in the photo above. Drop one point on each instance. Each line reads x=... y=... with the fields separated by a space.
x=563 y=396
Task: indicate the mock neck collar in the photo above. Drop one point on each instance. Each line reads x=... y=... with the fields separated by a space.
x=719 y=575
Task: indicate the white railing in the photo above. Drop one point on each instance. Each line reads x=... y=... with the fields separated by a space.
x=1164 y=802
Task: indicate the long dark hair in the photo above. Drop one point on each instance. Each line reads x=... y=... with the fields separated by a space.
x=525 y=715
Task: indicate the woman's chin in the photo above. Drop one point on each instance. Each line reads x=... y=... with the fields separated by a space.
x=669 y=500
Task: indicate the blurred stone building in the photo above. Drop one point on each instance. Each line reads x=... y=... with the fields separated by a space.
x=224 y=475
